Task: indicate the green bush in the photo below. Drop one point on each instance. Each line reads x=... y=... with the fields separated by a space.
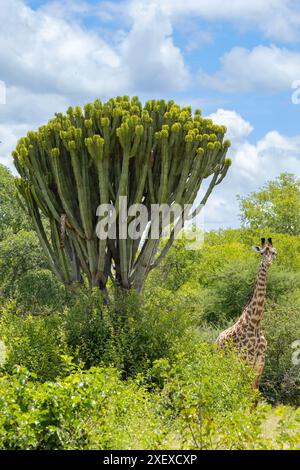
x=287 y=435
x=87 y=410
x=19 y=254
x=25 y=276
x=35 y=342
x=88 y=327
x=280 y=282
x=130 y=335
x=229 y=290
x=281 y=378
x=231 y=287
x=39 y=290
x=12 y=217
x=210 y=395
x=204 y=402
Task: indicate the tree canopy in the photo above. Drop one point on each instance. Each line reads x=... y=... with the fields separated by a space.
x=275 y=207
x=12 y=218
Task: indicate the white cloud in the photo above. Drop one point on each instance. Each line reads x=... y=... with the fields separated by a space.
x=262 y=68
x=44 y=51
x=2 y=92
x=270 y=156
x=48 y=53
x=68 y=9
x=49 y=61
x=25 y=106
x=9 y=135
x=237 y=128
x=198 y=39
x=277 y=19
x=252 y=165
x=152 y=60
x=24 y=110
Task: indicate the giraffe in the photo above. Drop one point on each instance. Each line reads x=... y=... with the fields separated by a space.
x=246 y=333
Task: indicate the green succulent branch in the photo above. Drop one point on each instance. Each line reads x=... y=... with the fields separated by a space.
x=152 y=154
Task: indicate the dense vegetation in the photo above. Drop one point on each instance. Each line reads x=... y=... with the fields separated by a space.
x=78 y=373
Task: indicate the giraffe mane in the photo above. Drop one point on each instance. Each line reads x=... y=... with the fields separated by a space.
x=251 y=294
x=252 y=291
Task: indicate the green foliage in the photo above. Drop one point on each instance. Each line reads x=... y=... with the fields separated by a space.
x=178 y=268
x=209 y=397
x=130 y=334
x=282 y=283
x=35 y=342
x=204 y=402
x=210 y=394
x=40 y=291
x=226 y=245
x=184 y=266
x=231 y=287
x=288 y=428
x=88 y=327
x=276 y=207
x=229 y=290
x=281 y=379
x=2 y=353
x=24 y=274
x=19 y=254
x=12 y=217
x=86 y=410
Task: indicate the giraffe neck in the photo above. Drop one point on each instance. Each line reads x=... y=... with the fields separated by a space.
x=253 y=312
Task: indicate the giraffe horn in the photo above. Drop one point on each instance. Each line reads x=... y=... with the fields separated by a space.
x=263 y=242
x=270 y=241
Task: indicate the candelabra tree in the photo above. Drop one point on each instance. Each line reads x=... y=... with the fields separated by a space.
x=159 y=153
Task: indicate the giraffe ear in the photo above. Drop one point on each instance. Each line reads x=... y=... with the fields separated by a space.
x=256 y=248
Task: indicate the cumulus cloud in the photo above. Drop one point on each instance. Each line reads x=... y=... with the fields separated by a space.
x=25 y=110
x=9 y=135
x=277 y=19
x=262 y=69
x=25 y=106
x=49 y=54
x=148 y=51
x=45 y=52
x=237 y=128
x=48 y=61
x=252 y=165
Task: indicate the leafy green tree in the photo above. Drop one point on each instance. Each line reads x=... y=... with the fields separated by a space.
x=25 y=276
x=19 y=254
x=154 y=154
x=275 y=207
x=36 y=342
x=281 y=325
x=12 y=217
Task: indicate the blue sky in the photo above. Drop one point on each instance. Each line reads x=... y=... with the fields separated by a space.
x=236 y=63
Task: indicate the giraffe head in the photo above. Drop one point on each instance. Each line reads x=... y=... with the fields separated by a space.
x=267 y=251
